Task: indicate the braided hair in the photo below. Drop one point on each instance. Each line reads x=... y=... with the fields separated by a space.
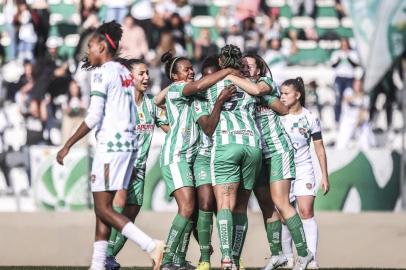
x=230 y=56
x=109 y=32
x=171 y=63
x=298 y=86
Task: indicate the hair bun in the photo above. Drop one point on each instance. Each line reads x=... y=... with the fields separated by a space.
x=166 y=57
x=300 y=81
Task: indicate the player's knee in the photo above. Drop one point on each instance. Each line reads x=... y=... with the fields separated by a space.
x=207 y=205
x=186 y=209
x=306 y=213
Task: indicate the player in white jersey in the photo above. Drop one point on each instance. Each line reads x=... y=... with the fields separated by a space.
x=111 y=112
x=303 y=127
x=147 y=116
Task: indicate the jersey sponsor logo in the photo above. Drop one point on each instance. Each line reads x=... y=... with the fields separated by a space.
x=141 y=115
x=309 y=186
x=202 y=174
x=185 y=133
x=144 y=128
x=241 y=132
x=126 y=81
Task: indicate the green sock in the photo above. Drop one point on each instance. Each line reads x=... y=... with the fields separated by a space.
x=204 y=229
x=178 y=226
x=180 y=255
x=225 y=230
x=274 y=234
x=120 y=241
x=295 y=227
x=240 y=229
x=113 y=234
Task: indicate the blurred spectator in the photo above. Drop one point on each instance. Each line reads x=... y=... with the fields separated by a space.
x=73 y=111
x=277 y=59
x=35 y=121
x=251 y=35
x=296 y=5
x=166 y=43
x=234 y=35
x=116 y=10
x=24 y=86
x=204 y=46
x=387 y=88
x=143 y=12
x=40 y=18
x=247 y=9
x=133 y=43
x=272 y=27
x=340 y=9
x=354 y=119
x=87 y=8
x=26 y=34
x=178 y=29
x=9 y=12
x=344 y=62
x=88 y=27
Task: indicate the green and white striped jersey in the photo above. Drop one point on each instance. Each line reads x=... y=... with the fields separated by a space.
x=274 y=138
x=237 y=118
x=181 y=140
x=147 y=116
x=201 y=108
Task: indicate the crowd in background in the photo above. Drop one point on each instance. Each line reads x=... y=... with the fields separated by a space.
x=52 y=92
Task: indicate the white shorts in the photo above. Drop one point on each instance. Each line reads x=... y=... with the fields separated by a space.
x=301 y=187
x=111 y=170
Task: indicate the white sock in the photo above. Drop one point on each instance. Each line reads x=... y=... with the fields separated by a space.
x=312 y=234
x=99 y=255
x=286 y=242
x=133 y=233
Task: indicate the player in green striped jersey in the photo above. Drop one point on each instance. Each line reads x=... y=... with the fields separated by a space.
x=147 y=116
x=180 y=148
x=235 y=157
x=207 y=120
x=279 y=167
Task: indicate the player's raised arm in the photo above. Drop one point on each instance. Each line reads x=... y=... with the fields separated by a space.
x=251 y=88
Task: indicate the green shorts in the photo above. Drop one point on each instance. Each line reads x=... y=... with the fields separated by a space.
x=135 y=191
x=233 y=163
x=177 y=175
x=201 y=169
x=281 y=167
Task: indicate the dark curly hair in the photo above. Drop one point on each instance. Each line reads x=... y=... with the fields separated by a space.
x=109 y=32
x=230 y=56
x=298 y=85
x=210 y=61
x=171 y=63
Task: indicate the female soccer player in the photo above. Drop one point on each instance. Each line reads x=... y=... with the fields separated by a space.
x=235 y=158
x=207 y=120
x=302 y=127
x=279 y=165
x=180 y=148
x=112 y=112
x=147 y=116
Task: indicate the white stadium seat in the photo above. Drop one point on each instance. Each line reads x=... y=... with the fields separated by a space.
x=302 y=22
x=325 y=3
x=276 y=3
x=329 y=44
x=72 y=40
x=327 y=22
x=306 y=44
x=203 y=21
x=284 y=21
x=55 y=18
x=346 y=22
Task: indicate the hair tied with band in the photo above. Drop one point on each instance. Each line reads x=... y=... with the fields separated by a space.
x=111 y=42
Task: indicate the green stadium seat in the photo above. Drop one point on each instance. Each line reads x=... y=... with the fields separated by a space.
x=65 y=10
x=309 y=57
x=285 y=11
x=325 y=24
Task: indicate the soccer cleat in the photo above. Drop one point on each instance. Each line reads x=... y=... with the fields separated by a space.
x=168 y=266
x=157 y=254
x=276 y=261
x=186 y=266
x=289 y=264
x=313 y=265
x=111 y=263
x=203 y=266
x=302 y=262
